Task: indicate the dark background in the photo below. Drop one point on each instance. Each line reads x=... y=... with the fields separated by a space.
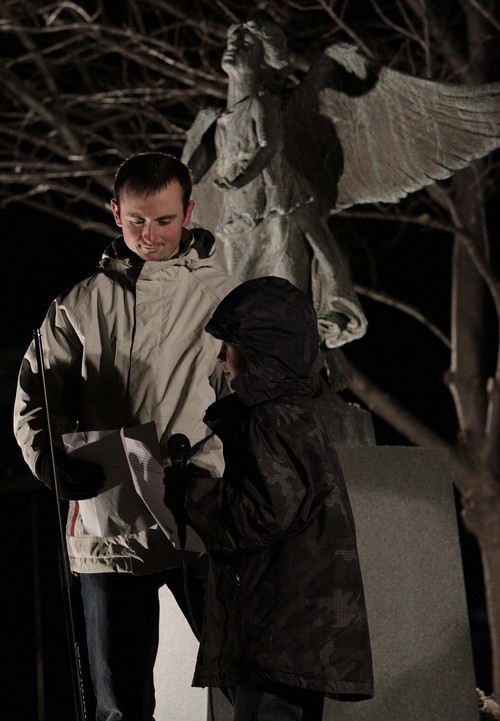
x=44 y=257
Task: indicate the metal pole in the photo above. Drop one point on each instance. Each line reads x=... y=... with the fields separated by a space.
x=40 y=676
x=67 y=581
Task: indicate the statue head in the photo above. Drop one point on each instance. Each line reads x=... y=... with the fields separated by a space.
x=257 y=46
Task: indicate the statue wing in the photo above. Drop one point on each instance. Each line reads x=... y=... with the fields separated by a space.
x=361 y=132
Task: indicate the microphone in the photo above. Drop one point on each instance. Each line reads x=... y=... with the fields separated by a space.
x=179 y=450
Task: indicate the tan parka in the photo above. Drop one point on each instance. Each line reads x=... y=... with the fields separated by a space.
x=121 y=348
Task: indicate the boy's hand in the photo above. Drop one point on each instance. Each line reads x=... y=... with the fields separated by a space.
x=175 y=480
x=77 y=479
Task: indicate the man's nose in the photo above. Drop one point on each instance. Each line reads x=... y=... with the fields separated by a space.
x=149 y=231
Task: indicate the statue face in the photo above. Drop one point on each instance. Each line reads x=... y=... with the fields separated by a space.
x=244 y=50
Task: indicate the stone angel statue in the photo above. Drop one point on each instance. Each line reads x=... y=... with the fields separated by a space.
x=272 y=167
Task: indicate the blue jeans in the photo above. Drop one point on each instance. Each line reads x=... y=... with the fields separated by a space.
x=277 y=702
x=121 y=619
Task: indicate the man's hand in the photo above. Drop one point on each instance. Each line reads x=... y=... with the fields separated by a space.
x=77 y=480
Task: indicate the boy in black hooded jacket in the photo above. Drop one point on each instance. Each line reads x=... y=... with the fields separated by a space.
x=285 y=619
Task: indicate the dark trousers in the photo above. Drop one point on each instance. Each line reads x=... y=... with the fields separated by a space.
x=277 y=702
x=122 y=620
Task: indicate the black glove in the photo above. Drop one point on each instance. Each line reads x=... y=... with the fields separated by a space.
x=175 y=480
x=77 y=480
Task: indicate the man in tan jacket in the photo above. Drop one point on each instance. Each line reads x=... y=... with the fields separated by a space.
x=122 y=348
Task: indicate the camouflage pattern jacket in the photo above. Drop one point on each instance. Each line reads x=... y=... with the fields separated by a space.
x=285 y=595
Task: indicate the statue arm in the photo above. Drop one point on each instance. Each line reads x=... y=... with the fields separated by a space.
x=266 y=139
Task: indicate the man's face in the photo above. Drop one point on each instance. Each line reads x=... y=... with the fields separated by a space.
x=233 y=361
x=152 y=224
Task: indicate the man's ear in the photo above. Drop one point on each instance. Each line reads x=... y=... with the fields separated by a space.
x=116 y=212
x=188 y=214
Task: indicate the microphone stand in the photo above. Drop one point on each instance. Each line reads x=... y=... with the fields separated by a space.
x=66 y=579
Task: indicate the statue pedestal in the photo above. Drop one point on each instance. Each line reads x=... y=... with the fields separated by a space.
x=403 y=504
x=348 y=424
x=174 y=667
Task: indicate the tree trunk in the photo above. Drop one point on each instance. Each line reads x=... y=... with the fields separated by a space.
x=482 y=517
x=490 y=555
x=467 y=381
x=466 y=377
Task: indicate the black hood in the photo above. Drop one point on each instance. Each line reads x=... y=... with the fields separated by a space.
x=275 y=326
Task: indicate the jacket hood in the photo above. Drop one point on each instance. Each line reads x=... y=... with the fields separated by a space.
x=196 y=244
x=275 y=326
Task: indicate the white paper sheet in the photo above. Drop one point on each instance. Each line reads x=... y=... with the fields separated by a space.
x=133 y=490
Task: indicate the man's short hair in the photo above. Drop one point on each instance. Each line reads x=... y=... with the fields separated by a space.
x=148 y=173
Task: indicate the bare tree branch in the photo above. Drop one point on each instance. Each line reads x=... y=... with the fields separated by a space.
x=404 y=308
